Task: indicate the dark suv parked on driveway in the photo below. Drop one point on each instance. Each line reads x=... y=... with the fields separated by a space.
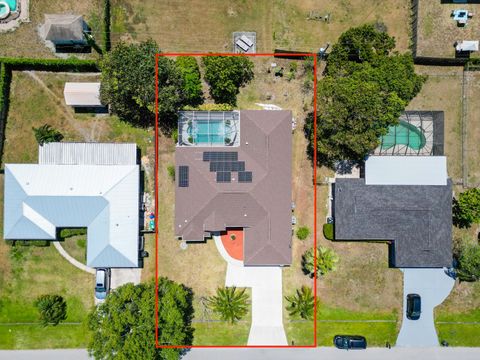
x=414 y=306
x=348 y=342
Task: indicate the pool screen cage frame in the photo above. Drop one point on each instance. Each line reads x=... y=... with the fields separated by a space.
x=187 y=119
x=431 y=123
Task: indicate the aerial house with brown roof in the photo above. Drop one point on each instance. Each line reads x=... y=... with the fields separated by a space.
x=234 y=172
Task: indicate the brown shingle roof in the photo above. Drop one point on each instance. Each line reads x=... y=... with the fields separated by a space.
x=262 y=207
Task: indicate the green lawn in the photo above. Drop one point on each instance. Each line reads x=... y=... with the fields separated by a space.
x=39 y=337
x=214 y=333
x=467 y=334
x=338 y=321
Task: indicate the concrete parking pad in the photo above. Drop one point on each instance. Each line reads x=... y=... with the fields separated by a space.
x=433 y=286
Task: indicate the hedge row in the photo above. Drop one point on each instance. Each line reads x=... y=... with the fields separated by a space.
x=66 y=233
x=107 y=43
x=5 y=79
x=72 y=64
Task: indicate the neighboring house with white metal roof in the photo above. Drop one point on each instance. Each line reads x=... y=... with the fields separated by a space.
x=88 y=185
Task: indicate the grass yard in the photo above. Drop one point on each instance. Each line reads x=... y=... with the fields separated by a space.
x=206 y=26
x=29 y=271
x=472 y=128
x=220 y=333
x=62 y=336
x=24 y=41
x=437 y=31
x=443 y=91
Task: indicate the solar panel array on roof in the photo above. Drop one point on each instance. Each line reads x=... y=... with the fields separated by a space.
x=183 y=176
x=227 y=166
x=220 y=156
x=245 y=176
x=224 y=176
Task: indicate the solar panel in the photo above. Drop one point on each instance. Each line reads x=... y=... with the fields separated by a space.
x=224 y=176
x=183 y=176
x=220 y=156
x=238 y=166
x=245 y=176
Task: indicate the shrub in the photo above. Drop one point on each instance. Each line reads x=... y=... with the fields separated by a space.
x=175 y=135
x=192 y=83
x=69 y=232
x=469 y=263
x=301 y=303
x=82 y=243
x=171 y=172
x=328 y=231
x=52 y=308
x=303 y=232
x=466 y=209
x=210 y=107
x=5 y=79
x=326 y=261
x=230 y=304
x=46 y=134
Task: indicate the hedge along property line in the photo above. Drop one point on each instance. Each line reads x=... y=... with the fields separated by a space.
x=5 y=80
x=107 y=43
x=7 y=65
x=72 y=64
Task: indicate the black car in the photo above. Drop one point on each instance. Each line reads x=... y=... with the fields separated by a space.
x=414 y=306
x=348 y=342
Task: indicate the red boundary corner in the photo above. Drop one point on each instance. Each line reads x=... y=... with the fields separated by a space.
x=314 y=345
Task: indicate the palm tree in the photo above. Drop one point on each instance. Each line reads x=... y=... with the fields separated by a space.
x=229 y=303
x=45 y=134
x=301 y=303
x=326 y=261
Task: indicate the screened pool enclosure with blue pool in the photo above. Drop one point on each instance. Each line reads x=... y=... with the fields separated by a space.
x=203 y=128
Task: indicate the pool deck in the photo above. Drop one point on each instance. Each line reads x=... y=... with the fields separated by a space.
x=24 y=17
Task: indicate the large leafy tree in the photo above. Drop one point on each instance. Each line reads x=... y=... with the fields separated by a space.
x=128 y=84
x=364 y=90
x=52 y=309
x=466 y=209
x=326 y=261
x=301 y=303
x=469 y=263
x=229 y=303
x=124 y=325
x=192 y=83
x=225 y=75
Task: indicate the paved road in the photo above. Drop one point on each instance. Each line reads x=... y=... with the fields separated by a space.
x=275 y=354
x=433 y=286
x=267 y=299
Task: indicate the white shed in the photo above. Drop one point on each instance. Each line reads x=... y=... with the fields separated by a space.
x=82 y=94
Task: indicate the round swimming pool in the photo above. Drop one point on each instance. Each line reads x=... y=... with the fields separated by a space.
x=4 y=10
x=404 y=134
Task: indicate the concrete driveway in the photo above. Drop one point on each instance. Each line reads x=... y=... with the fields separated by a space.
x=433 y=286
x=267 y=298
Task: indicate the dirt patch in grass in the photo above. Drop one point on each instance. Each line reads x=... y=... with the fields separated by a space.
x=24 y=41
x=437 y=31
x=76 y=246
x=443 y=92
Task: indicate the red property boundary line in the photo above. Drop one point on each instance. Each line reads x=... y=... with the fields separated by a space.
x=157 y=345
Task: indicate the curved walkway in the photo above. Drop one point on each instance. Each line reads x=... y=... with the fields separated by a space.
x=71 y=260
x=433 y=286
x=267 y=298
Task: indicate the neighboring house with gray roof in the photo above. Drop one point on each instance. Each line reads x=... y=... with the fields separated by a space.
x=240 y=182
x=403 y=199
x=90 y=185
x=64 y=29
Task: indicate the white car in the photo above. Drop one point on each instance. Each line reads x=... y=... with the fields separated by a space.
x=102 y=283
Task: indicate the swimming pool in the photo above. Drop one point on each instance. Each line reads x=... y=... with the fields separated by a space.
x=208 y=132
x=403 y=134
x=7 y=6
